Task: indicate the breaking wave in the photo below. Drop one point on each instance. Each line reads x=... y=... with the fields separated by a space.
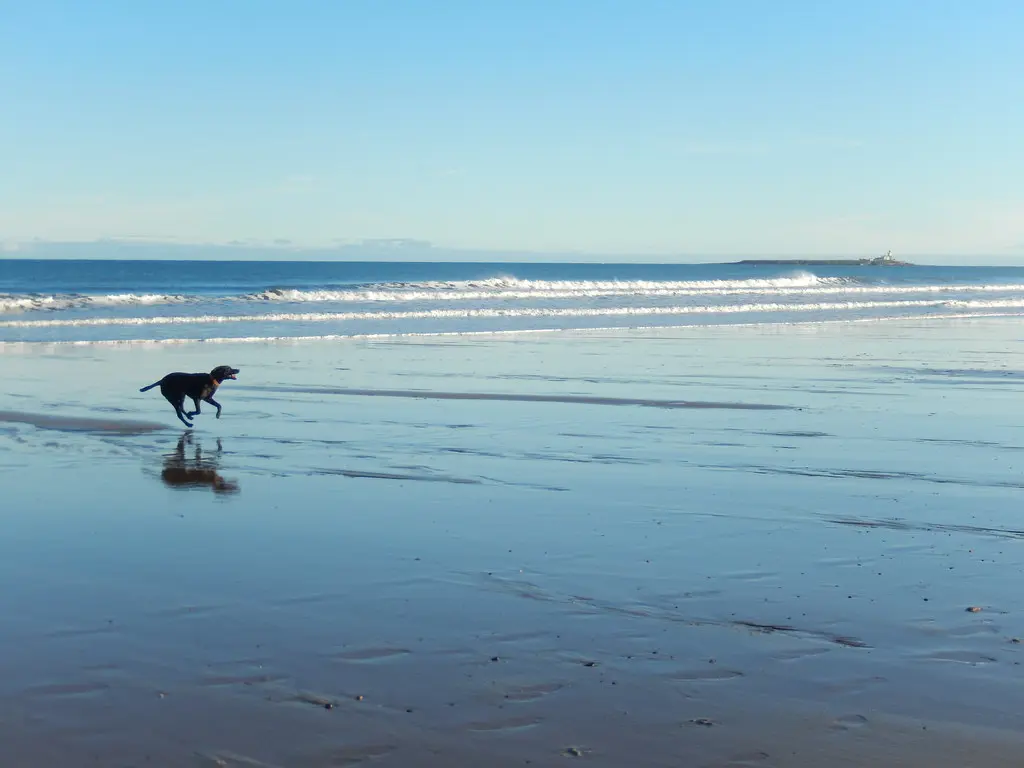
x=307 y=317
x=501 y=289
x=56 y=302
x=351 y=301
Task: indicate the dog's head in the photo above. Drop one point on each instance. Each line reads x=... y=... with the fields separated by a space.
x=222 y=372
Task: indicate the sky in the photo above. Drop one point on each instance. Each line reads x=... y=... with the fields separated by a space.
x=632 y=127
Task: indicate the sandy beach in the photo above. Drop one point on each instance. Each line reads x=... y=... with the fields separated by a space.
x=730 y=546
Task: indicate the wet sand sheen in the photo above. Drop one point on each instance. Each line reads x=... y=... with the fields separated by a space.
x=81 y=424
x=523 y=398
x=232 y=597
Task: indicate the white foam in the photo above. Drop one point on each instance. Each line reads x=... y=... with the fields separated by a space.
x=512 y=288
x=55 y=302
x=320 y=317
x=16 y=345
x=506 y=289
x=592 y=290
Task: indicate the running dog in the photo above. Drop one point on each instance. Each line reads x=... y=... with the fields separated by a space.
x=198 y=386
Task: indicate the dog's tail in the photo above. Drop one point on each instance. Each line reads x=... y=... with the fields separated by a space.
x=145 y=389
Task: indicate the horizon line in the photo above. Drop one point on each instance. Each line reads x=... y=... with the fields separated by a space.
x=18 y=249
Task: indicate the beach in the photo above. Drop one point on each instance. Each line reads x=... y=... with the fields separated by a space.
x=714 y=546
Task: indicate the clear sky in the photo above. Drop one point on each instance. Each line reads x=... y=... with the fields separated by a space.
x=643 y=127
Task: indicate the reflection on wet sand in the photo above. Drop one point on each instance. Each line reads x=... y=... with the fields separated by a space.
x=197 y=470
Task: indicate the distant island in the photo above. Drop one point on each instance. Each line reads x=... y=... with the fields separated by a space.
x=888 y=260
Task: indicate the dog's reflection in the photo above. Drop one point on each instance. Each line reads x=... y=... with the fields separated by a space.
x=197 y=470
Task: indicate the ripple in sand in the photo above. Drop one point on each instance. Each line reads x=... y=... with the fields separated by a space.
x=230 y=759
x=316 y=699
x=853 y=685
x=519 y=637
x=532 y=692
x=800 y=653
x=68 y=689
x=321 y=597
x=924 y=526
x=746 y=760
x=960 y=657
x=259 y=679
x=371 y=654
x=750 y=575
x=507 y=724
x=530 y=398
x=355 y=755
x=972 y=629
x=844 y=562
x=187 y=610
x=397 y=476
x=82 y=424
x=849 y=642
x=711 y=674
x=83 y=632
x=849 y=722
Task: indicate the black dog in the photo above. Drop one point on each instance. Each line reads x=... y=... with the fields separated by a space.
x=199 y=386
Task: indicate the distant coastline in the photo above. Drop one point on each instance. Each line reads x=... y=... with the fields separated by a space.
x=879 y=261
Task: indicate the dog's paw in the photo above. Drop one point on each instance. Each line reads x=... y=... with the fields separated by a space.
x=218 y=414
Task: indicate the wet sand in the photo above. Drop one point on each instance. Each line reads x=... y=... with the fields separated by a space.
x=503 y=551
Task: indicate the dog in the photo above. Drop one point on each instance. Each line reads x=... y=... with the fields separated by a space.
x=198 y=386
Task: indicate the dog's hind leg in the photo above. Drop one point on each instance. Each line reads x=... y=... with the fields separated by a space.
x=181 y=415
x=178 y=404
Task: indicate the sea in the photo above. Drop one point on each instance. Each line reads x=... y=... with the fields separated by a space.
x=113 y=302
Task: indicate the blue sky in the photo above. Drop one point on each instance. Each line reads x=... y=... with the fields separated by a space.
x=668 y=128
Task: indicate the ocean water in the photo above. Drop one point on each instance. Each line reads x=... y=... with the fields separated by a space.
x=173 y=301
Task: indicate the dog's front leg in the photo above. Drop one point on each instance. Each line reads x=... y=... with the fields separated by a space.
x=214 y=403
x=195 y=401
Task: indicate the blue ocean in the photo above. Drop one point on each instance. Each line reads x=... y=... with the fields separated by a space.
x=89 y=301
